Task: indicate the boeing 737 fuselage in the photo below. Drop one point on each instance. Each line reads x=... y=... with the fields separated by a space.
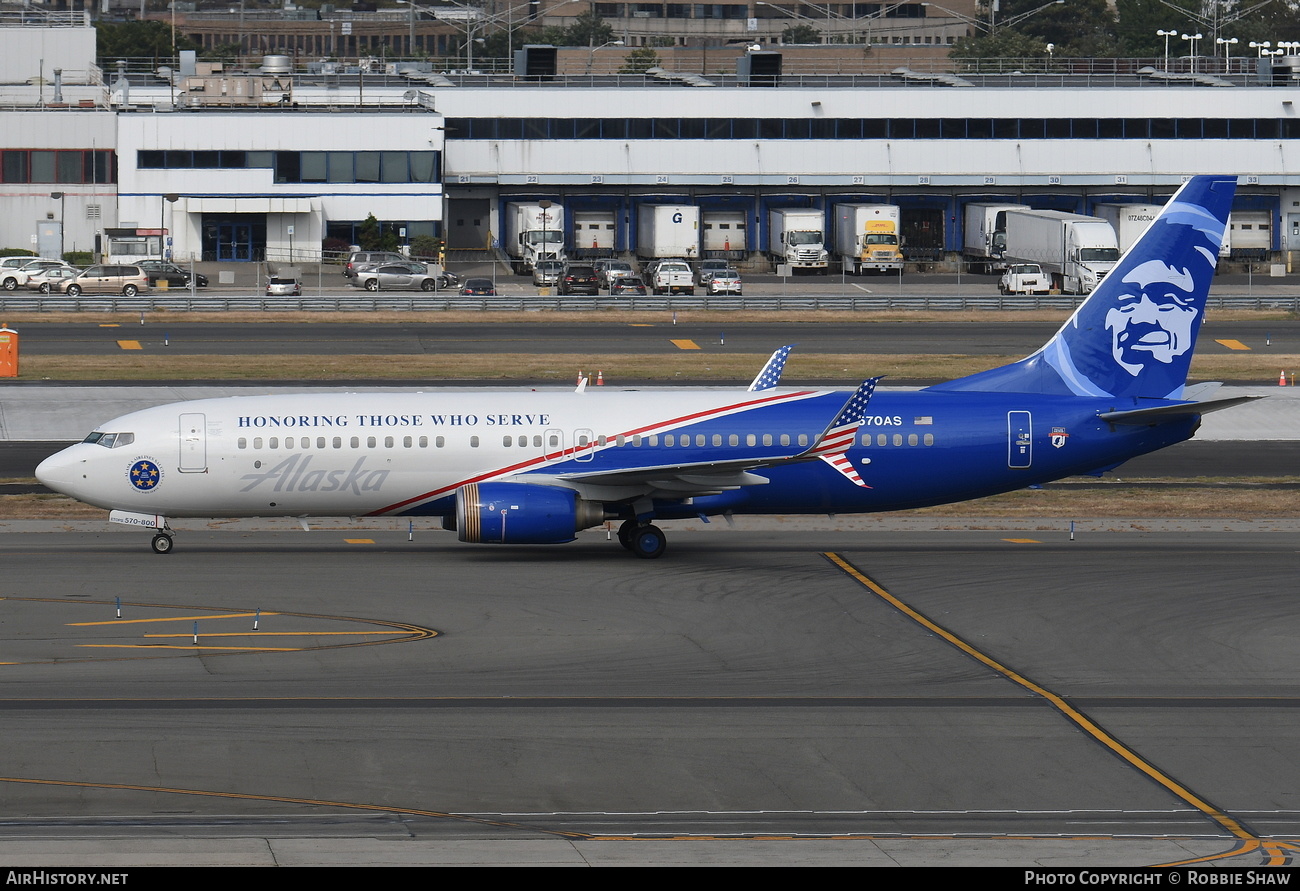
x=506 y=466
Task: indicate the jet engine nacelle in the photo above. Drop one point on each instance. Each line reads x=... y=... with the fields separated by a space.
x=520 y=513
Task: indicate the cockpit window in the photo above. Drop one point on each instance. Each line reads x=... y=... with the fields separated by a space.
x=110 y=440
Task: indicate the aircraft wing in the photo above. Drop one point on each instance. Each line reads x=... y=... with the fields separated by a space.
x=705 y=477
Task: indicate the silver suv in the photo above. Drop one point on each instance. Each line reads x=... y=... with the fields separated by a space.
x=359 y=260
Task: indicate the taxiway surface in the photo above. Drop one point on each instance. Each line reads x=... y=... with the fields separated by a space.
x=854 y=695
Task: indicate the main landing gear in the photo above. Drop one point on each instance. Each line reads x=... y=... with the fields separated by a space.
x=645 y=540
x=162 y=543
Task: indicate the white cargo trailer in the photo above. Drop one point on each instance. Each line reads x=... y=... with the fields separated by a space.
x=668 y=230
x=1075 y=250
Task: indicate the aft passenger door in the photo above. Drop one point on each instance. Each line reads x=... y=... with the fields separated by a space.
x=1020 y=442
x=193 y=443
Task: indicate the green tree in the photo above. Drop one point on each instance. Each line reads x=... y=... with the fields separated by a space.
x=589 y=29
x=368 y=234
x=136 y=40
x=639 y=61
x=801 y=34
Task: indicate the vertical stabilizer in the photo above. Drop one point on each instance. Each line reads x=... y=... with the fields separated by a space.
x=1135 y=335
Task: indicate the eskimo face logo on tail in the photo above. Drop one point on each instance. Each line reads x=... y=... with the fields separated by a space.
x=1154 y=320
x=1135 y=335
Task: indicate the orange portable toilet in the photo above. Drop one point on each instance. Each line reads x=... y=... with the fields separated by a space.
x=8 y=352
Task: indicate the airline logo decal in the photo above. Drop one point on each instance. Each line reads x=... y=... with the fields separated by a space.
x=144 y=475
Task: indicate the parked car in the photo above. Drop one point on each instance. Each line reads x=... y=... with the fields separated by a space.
x=579 y=279
x=16 y=277
x=51 y=279
x=547 y=272
x=614 y=270
x=11 y=263
x=359 y=260
x=478 y=287
x=707 y=270
x=175 y=276
x=673 y=277
x=1024 y=278
x=106 y=278
x=282 y=286
x=397 y=277
x=627 y=284
x=726 y=281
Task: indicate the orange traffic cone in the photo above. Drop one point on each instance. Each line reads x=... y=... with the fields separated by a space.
x=726 y=245
x=579 y=382
x=600 y=378
x=1281 y=378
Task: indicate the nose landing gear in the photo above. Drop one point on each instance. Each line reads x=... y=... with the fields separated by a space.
x=162 y=543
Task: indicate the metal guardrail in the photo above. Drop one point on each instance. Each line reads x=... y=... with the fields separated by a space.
x=447 y=302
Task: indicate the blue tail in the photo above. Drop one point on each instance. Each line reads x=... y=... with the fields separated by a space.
x=1135 y=335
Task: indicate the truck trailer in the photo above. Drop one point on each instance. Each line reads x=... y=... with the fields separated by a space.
x=1128 y=220
x=1075 y=250
x=984 y=236
x=668 y=230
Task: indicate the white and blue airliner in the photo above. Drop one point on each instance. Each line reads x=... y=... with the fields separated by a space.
x=528 y=467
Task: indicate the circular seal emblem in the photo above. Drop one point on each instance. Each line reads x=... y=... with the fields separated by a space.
x=145 y=475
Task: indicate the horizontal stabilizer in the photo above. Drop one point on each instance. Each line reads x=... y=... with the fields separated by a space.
x=1143 y=416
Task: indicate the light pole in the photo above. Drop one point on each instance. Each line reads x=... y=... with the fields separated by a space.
x=59 y=197
x=1193 y=39
x=1226 y=43
x=1261 y=47
x=1166 y=35
x=591 y=50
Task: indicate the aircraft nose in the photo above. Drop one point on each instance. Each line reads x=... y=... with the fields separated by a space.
x=60 y=472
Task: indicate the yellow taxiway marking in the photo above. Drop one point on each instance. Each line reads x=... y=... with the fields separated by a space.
x=174 y=619
x=358 y=541
x=685 y=344
x=640 y=324
x=109 y=325
x=189 y=647
x=1072 y=714
x=130 y=344
x=1023 y=540
x=275 y=634
x=1233 y=344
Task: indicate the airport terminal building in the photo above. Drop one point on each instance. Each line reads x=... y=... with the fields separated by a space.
x=271 y=163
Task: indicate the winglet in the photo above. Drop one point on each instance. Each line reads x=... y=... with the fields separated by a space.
x=770 y=376
x=838 y=436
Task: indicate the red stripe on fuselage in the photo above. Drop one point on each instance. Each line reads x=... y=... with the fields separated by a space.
x=564 y=455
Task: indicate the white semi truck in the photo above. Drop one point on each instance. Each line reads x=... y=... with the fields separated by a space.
x=984 y=239
x=668 y=230
x=797 y=237
x=1075 y=250
x=868 y=237
x=534 y=232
